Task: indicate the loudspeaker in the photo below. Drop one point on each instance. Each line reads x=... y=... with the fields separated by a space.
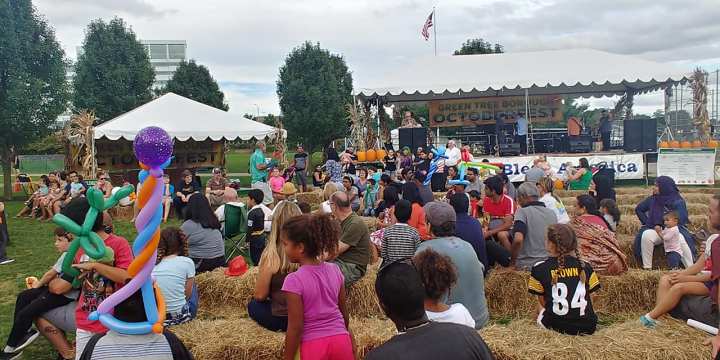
x=510 y=149
x=640 y=135
x=579 y=144
x=413 y=138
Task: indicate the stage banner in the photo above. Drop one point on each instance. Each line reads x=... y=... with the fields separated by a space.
x=687 y=166
x=626 y=166
x=115 y=155
x=482 y=111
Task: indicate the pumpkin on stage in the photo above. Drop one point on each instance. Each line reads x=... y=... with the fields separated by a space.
x=371 y=155
x=380 y=154
x=712 y=143
x=675 y=144
x=685 y=144
x=697 y=144
x=664 y=144
x=361 y=155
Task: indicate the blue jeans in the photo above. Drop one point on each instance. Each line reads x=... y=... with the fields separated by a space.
x=257 y=245
x=193 y=301
x=689 y=238
x=261 y=312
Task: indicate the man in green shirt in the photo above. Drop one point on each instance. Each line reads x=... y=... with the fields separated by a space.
x=354 y=251
x=259 y=172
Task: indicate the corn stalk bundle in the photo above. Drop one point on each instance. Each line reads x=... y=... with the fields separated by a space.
x=279 y=141
x=79 y=133
x=701 y=120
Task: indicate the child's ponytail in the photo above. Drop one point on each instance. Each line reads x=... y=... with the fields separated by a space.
x=318 y=233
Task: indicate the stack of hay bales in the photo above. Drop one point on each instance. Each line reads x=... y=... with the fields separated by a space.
x=314 y=198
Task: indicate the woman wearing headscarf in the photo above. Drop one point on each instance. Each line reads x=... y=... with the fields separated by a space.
x=665 y=198
x=602 y=187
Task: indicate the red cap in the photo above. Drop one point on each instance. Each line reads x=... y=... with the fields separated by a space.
x=236 y=267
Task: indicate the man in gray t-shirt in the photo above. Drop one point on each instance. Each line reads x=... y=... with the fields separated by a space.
x=530 y=226
x=470 y=287
x=474 y=183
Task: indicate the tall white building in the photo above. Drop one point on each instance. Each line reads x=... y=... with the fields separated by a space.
x=165 y=56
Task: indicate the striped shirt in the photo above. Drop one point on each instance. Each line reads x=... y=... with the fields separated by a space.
x=119 y=346
x=399 y=242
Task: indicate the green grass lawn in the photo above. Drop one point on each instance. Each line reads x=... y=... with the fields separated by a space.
x=31 y=245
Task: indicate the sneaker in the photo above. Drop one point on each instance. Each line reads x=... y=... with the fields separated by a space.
x=31 y=335
x=5 y=261
x=648 y=322
x=10 y=356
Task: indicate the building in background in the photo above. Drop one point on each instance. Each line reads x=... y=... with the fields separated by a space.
x=165 y=56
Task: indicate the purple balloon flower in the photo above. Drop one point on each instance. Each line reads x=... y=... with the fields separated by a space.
x=153 y=146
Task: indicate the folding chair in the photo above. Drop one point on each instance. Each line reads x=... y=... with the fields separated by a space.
x=235 y=229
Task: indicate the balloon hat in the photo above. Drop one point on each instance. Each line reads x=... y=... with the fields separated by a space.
x=153 y=148
x=462 y=168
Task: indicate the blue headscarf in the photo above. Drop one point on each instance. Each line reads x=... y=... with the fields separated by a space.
x=668 y=194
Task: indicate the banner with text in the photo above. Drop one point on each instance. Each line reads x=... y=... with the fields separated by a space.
x=483 y=111
x=118 y=154
x=626 y=166
x=687 y=166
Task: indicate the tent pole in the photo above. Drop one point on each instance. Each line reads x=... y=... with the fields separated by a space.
x=527 y=117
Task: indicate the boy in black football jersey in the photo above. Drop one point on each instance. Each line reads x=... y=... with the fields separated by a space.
x=563 y=284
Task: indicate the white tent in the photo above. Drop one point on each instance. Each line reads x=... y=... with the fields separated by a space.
x=183 y=119
x=580 y=72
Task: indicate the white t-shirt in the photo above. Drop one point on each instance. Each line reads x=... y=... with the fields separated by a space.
x=171 y=275
x=457 y=314
x=557 y=207
x=453 y=156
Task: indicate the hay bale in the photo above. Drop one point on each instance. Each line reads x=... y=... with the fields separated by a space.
x=243 y=339
x=311 y=197
x=223 y=297
x=371 y=222
x=627 y=340
x=628 y=225
x=630 y=293
x=439 y=196
x=570 y=193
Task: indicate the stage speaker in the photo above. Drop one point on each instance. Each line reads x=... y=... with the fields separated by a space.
x=579 y=144
x=640 y=135
x=510 y=149
x=412 y=138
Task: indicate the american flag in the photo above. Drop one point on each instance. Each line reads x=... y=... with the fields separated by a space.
x=426 y=27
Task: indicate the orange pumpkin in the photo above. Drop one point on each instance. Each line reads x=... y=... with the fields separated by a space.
x=712 y=143
x=697 y=144
x=674 y=144
x=361 y=156
x=371 y=155
x=380 y=153
x=559 y=185
x=685 y=144
x=664 y=144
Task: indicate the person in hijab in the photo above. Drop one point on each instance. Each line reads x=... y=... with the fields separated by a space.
x=602 y=187
x=665 y=198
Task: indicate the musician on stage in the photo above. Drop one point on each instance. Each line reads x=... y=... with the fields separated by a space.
x=522 y=132
x=605 y=129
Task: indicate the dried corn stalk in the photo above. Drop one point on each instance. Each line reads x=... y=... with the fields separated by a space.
x=79 y=134
x=701 y=120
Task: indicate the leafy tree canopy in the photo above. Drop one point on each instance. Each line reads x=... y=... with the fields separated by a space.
x=479 y=46
x=113 y=74
x=194 y=81
x=32 y=80
x=314 y=86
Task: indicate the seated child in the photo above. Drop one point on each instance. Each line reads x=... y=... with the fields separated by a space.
x=168 y=194
x=563 y=284
x=317 y=315
x=276 y=182
x=672 y=242
x=37 y=300
x=570 y=171
x=318 y=177
x=175 y=275
x=610 y=212
x=439 y=275
x=694 y=280
x=475 y=203
x=370 y=197
x=399 y=240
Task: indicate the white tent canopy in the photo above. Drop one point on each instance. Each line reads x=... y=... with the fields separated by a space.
x=583 y=72
x=183 y=119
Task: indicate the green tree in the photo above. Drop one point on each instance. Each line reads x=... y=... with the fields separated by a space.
x=194 y=81
x=113 y=74
x=479 y=46
x=32 y=80
x=314 y=86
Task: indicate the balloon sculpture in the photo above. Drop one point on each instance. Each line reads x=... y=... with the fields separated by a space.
x=153 y=148
x=462 y=167
x=439 y=154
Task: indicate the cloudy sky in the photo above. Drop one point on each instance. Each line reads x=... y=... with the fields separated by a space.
x=245 y=42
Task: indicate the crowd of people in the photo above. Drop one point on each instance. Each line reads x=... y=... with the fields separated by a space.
x=434 y=251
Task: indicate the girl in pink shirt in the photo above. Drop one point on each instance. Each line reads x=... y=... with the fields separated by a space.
x=317 y=318
x=276 y=182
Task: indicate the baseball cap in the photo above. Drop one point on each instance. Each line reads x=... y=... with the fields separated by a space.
x=439 y=213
